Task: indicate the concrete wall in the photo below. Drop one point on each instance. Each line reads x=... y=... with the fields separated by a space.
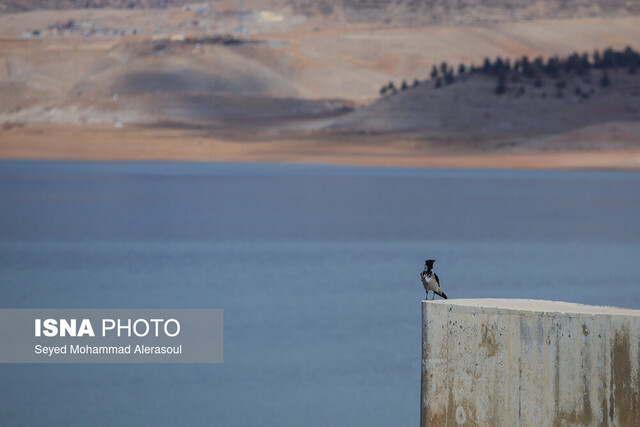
x=529 y=363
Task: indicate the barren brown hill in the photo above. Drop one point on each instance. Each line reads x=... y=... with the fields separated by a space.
x=12 y=6
x=299 y=88
x=468 y=114
x=417 y=12
x=403 y=12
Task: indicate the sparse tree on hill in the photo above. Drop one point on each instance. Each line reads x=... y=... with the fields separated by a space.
x=572 y=63
x=538 y=63
x=597 y=60
x=391 y=88
x=538 y=81
x=527 y=68
x=553 y=67
x=448 y=77
x=619 y=57
x=486 y=66
x=517 y=66
x=498 y=66
x=608 y=58
x=633 y=60
x=583 y=65
x=629 y=55
x=502 y=83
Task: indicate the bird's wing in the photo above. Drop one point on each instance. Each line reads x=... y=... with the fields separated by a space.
x=437 y=280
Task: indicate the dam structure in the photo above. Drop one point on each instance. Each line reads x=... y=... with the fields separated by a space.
x=529 y=362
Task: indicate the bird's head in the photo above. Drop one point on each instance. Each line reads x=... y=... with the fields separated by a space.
x=428 y=264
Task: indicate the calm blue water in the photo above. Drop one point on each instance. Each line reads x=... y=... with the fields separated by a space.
x=316 y=268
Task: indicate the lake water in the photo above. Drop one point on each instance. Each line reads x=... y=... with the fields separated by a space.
x=316 y=268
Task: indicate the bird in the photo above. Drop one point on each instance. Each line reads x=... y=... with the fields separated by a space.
x=430 y=280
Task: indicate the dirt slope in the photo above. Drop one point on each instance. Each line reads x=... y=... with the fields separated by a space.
x=470 y=106
x=404 y=12
x=310 y=81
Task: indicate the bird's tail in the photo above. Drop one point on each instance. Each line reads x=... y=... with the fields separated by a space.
x=442 y=294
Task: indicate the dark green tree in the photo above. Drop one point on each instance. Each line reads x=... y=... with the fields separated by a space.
x=502 y=83
x=538 y=63
x=517 y=66
x=597 y=60
x=498 y=66
x=538 y=81
x=608 y=58
x=528 y=69
x=572 y=64
x=553 y=67
x=486 y=66
x=583 y=65
x=448 y=77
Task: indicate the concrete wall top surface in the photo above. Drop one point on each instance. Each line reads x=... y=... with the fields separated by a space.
x=498 y=305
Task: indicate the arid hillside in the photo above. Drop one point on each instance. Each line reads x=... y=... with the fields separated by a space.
x=42 y=75
x=404 y=12
x=13 y=6
x=300 y=83
x=420 y=12
x=568 y=112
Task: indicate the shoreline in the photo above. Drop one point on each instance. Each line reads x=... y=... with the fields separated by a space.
x=139 y=143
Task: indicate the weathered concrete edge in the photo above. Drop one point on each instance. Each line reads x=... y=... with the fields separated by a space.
x=458 y=305
x=436 y=322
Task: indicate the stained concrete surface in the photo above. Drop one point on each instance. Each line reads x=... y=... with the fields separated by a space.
x=529 y=362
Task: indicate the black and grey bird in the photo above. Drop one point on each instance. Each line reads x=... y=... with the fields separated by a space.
x=430 y=280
